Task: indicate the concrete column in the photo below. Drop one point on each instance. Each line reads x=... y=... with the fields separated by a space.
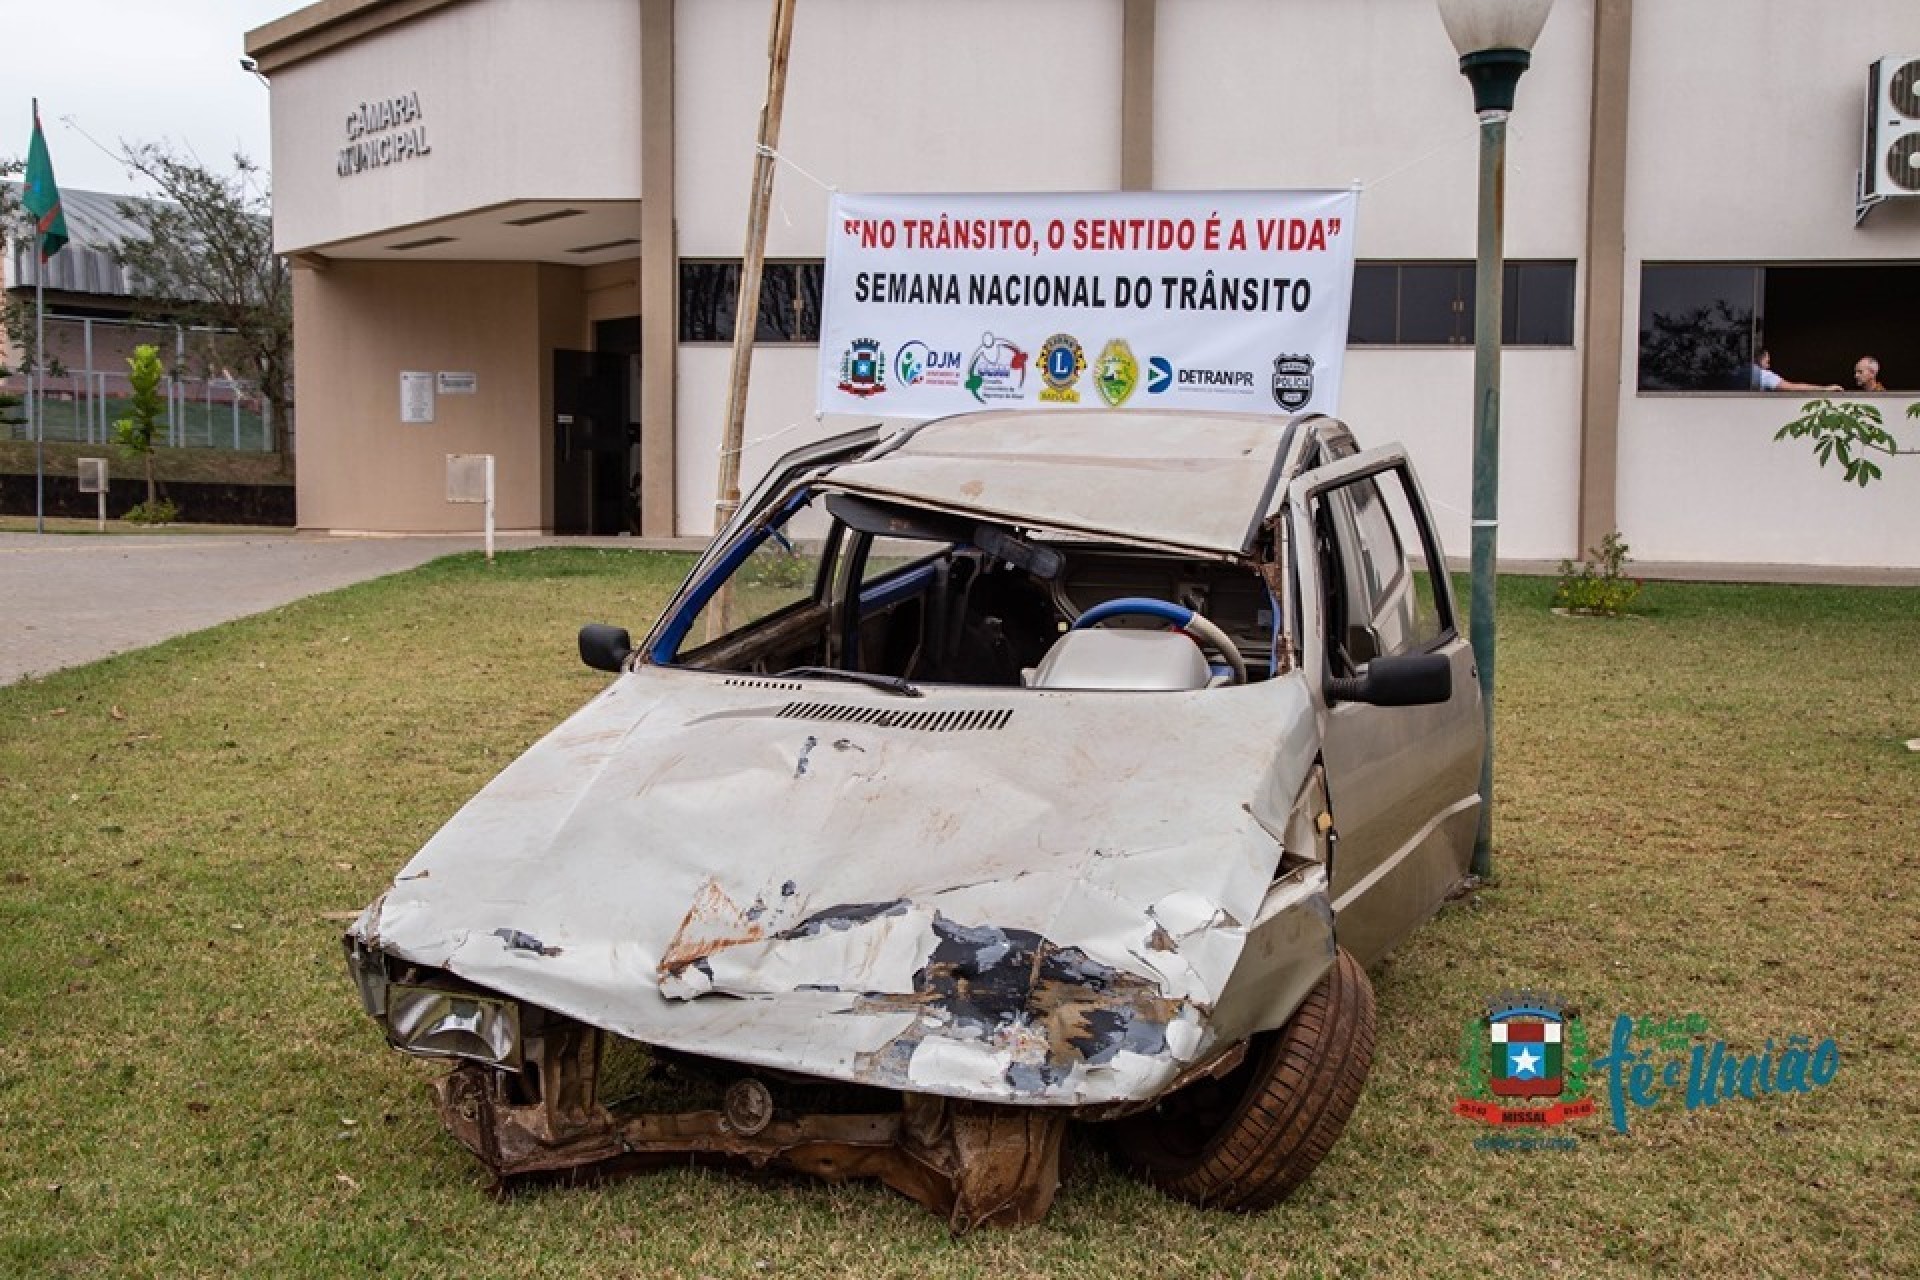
x=659 y=271
x=1603 y=329
x=1136 y=95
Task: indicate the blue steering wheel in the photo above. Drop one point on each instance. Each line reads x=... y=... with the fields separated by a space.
x=1189 y=623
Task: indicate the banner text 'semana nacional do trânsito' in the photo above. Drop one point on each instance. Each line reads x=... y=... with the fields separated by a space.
x=1233 y=300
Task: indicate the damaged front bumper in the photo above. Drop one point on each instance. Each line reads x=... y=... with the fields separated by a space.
x=524 y=1099
x=1001 y=1012
x=972 y=1164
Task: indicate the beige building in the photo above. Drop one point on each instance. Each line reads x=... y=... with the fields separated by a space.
x=538 y=209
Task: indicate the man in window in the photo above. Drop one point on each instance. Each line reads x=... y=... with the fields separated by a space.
x=1866 y=374
x=1763 y=378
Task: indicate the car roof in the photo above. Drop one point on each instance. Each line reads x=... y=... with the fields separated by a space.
x=1200 y=481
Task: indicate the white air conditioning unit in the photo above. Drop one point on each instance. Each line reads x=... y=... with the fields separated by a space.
x=1890 y=162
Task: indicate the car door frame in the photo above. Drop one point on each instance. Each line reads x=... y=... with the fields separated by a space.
x=1405 y=821
x=664 y=638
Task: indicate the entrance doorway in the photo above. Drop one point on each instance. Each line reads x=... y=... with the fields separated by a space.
x=590 y=442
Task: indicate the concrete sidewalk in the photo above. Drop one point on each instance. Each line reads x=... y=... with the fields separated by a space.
x=70 y=599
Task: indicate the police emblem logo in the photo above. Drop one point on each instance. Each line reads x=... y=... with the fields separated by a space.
x=1061 y=364
x=1117 y=374
x=863 y=368
x=1292 y=382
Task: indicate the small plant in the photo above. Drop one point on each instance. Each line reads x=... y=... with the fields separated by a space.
x=1599 y=585
x=136 y=431
x=1846 y=431
x=160 y=512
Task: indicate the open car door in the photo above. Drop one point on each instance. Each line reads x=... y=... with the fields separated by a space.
x=1403 y=780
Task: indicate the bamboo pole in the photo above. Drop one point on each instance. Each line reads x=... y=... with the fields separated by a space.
x=747 y=313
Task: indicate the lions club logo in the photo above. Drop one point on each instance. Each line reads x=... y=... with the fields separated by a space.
x=1061 y=364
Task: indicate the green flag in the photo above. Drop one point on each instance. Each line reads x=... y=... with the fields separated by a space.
x=43 y=196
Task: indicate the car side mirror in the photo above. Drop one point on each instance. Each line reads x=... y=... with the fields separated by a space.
x=1405 y=680
x=605 y=648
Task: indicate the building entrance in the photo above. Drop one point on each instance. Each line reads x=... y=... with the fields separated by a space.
x=590 y=443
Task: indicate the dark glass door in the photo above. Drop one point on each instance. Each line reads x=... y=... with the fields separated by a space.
x=590 y=443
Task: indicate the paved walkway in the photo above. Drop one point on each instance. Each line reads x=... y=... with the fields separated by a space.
x=68 y=599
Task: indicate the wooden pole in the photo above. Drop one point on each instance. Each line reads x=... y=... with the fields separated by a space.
x=747 y=314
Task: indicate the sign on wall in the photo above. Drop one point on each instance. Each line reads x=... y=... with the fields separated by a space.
x=382 y=132
x=939 y=304
x=416 y=397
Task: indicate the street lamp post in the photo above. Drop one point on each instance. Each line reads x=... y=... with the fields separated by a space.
x=1494 y=39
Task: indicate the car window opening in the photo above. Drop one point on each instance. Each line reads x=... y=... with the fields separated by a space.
x=838 y=582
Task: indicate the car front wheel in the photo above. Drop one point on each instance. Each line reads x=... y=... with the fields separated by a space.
x=1246 y=1140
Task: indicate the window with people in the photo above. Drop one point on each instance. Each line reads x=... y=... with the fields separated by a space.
x=1838 y=329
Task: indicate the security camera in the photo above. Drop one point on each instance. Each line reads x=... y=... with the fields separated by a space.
x=249 y=64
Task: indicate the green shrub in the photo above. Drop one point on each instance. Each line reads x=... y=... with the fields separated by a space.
x=1599 y=585
x=161 y=511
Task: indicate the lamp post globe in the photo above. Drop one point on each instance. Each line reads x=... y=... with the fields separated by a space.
x=1494 y=39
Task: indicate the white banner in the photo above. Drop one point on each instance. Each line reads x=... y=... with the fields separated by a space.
x=1233 y=300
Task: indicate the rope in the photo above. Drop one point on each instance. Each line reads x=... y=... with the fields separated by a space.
x=760 y=440
x=1445 y=142
x=763 y=150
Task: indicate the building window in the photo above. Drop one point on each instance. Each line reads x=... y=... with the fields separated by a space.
x=1417 y=304
x=1703 y=325
x=789 y=301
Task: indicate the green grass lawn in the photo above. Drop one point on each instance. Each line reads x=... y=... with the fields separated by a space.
x=1705 y=809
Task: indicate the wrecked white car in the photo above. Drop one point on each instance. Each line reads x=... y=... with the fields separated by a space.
x=1010 y=772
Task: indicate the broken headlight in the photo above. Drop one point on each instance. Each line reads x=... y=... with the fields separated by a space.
x=454 y=1024
x=435 y=1021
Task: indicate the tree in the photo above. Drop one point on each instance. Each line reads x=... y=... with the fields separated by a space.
x=10 y=414
x=16 y=313
x=1846 y=431
x=135 y=432
x=205 y=254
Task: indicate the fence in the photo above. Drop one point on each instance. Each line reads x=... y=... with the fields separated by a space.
x=83 y=401
x=197 y=413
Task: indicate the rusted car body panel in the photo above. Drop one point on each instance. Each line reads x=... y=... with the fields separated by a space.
x=984 y=907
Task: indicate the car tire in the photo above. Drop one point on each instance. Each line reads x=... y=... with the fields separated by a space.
x=1245 y=1141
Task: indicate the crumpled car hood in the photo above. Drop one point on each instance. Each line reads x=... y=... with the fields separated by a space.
x=1011 y=895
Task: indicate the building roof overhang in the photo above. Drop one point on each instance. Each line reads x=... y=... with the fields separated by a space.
x=326 y=25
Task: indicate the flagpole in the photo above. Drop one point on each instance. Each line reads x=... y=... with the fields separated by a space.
x=41 y=198
x=37 y=385
x=38 y=393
